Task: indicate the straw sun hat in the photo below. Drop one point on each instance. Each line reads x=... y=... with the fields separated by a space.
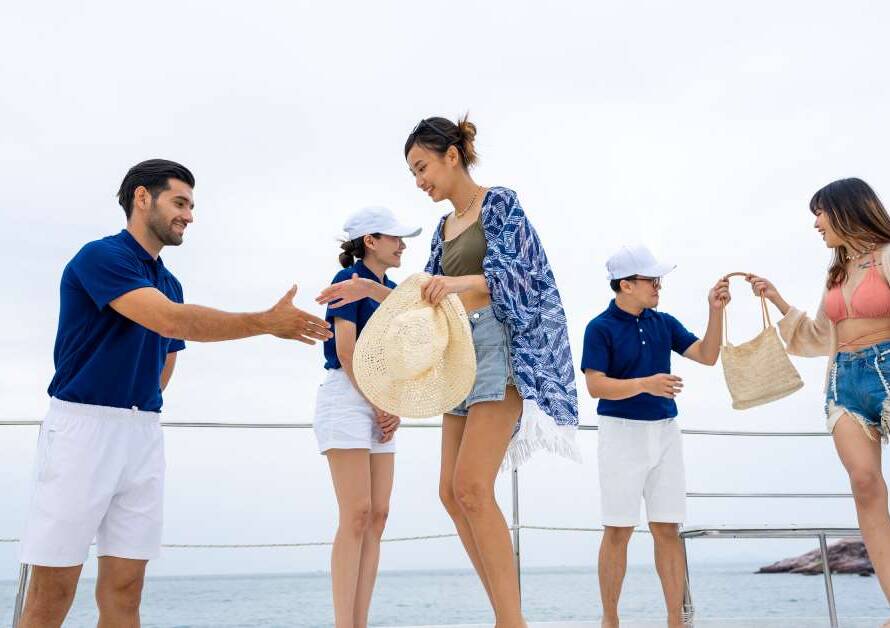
x=414 y=359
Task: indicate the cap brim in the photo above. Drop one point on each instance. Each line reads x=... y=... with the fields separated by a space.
x=403 y=231
x=658 y=270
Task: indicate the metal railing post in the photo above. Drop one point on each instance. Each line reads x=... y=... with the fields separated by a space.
x=829 y=589
x=20 y=595
x=688 y=608
x=517 y=557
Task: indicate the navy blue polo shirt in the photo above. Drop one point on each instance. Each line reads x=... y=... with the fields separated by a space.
x=624 y=346
x=359 y=312
x=103 y=358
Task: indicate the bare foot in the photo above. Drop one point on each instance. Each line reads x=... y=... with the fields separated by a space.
x=609 y=622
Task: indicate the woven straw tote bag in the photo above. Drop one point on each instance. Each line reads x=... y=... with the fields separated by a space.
x=757 y=371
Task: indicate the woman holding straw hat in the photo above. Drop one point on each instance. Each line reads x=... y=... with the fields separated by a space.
x=355 y=436
x=487 y=253
x=852 y=326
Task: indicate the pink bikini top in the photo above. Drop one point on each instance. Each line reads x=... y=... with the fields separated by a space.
x=870 y=299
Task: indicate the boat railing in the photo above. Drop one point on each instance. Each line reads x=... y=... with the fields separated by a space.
x=687 y=532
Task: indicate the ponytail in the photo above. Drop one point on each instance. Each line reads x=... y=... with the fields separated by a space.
x=353 y=250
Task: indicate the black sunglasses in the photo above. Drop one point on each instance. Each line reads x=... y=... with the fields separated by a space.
x=655 y=281
x=423 y=124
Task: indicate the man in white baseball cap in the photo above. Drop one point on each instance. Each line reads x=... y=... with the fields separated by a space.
x=636 y=261
x=627 y=365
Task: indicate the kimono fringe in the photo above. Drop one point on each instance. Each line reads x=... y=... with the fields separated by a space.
x=539 y=431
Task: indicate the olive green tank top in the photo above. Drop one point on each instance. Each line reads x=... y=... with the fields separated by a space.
x=463 y=255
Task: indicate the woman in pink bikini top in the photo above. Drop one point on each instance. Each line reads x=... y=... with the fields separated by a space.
x=852 y=326
x=869 y=300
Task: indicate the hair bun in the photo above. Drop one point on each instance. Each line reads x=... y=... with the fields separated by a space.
x=347 y=257
x=467 y=131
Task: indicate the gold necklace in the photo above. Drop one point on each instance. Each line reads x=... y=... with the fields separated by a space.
x=460 y=214
x=868 y=249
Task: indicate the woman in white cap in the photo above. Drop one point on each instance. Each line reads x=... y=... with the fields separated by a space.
x=357 y=437
x=487 y=252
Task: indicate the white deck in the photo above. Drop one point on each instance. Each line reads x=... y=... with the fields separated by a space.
x=772 y=622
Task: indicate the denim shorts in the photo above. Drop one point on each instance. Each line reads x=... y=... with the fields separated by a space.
x=493 y=369
x=858 y=385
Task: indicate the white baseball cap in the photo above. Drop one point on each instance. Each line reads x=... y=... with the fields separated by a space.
x=380 y=220
x=632 y=260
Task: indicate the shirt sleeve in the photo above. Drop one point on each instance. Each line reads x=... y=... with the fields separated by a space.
x=805 y=336
x=107 y=272
x=596 y=349
x=348 y=312
x=681 y=338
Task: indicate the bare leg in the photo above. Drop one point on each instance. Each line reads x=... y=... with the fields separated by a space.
x=50 y=594
x=486 y=436
x=351 y=473
x=861 y=457
x=381 y=488
x=119 y=591
x=452 y=434
x=612 y=566
x=671 y=566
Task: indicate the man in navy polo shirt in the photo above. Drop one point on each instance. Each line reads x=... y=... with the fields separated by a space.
x=627 y=364
x=100 y=454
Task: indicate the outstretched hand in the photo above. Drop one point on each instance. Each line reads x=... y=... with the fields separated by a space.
x=346 y=292
x=285 y=320
x=762 y=287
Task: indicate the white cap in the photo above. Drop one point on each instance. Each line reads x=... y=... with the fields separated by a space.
x=636 y=260
x=376 y=220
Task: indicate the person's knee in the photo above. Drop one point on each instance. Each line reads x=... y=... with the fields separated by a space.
x=617 y=536
x=120 y=593
x=357 y=518
x=472 y=495
x=49 y=598
x=449 y=499
x=665 y=532
x=378 y=521
x=123 y=599
x=868 y=486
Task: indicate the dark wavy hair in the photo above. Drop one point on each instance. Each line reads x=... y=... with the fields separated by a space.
x=440 y=134
x=856 y=214
x=154 y=175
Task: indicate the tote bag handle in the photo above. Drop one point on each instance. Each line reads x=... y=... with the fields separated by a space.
x=764 y=311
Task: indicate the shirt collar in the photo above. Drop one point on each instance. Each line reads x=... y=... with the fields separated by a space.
x=366 y=273
x=625 y=316
x=131 y=242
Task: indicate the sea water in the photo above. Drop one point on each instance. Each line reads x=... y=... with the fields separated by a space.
x=405 y=598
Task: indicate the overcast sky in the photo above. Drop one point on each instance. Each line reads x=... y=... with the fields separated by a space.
x=697 y=128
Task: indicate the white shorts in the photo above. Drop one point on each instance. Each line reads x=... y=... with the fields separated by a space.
x=344 y=419
x=641 y=459
x=99 y=473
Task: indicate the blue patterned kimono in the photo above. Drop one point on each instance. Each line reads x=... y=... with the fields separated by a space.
x=525 y=298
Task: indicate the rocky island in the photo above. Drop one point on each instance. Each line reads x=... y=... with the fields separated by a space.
x=846 y=556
